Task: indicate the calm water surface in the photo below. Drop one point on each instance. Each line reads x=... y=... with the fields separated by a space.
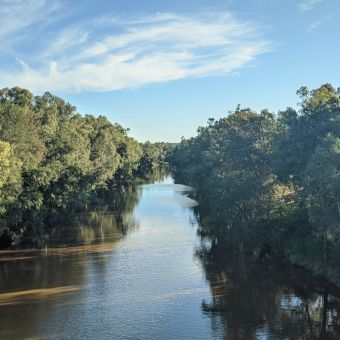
x=145 y=274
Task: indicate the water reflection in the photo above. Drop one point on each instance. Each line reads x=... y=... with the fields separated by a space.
x=39 y=273
x=267 y=300
x=99 y=224
x=138 y=270
x=24 y=296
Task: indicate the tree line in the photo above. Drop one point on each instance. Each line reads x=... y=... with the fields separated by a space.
x=53 y=159
x=270 y=181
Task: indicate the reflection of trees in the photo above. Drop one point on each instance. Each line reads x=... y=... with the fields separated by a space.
x=66 y=274
x=281 y=301
x=99 y=223
x=63 y=267
x=157 y=175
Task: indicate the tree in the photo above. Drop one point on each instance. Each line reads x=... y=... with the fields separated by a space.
x=53 y=159
x=322 y=189
x=10 y=177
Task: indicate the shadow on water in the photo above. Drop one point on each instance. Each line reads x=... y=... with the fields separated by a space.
x=266 y=299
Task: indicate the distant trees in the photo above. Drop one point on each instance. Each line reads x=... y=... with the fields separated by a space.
x=154 y=155
x=268 y=177
x=52 y=158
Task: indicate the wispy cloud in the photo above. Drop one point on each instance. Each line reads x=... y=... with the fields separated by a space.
x=117 y=52
x=313 y=26
x=316 y=24
x=307 y=5
x=18 y=15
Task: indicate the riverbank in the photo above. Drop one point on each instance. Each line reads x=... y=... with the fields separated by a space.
x=271 y=182
x=278 y=240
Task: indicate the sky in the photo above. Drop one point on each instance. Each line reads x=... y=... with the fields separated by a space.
x=164 y=67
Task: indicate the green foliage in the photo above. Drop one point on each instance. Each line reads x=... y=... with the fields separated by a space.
x=230 y=161
x=154 y=156
x=19 y=125
x=300 y=133
x=270 y=181
x=53 y=159
x=322 y=188
x=10 y=180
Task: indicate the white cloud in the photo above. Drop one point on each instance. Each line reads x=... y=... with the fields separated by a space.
x=307 y=5
x=116 y=52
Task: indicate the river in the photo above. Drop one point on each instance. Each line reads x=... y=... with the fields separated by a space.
x=144 y=273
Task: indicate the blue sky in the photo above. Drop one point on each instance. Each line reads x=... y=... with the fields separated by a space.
x=162 y=67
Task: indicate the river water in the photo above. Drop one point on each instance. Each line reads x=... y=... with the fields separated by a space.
x=144 y=273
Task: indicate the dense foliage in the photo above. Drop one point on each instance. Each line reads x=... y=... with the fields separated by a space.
x=53 y=159
x=271 y=182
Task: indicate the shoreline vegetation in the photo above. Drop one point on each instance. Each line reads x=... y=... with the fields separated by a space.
x=270 y=183
x=54 y=161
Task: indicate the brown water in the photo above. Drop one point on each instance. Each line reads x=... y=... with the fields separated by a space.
x=145 y=274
